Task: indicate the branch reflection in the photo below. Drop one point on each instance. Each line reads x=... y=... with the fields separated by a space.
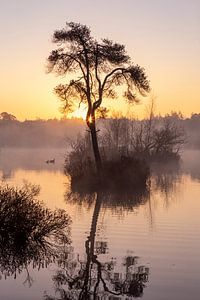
x=118 y=199
x=166 y=178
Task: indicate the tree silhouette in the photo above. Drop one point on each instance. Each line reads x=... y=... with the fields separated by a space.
x=7 y=117
x=98 y=67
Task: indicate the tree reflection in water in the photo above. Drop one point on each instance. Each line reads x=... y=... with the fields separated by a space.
x=93 y=279
x=117 y=200
x=29 y=233
x=166 y=178
x=90 y=278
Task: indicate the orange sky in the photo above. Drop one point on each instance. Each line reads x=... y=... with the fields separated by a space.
x=162 y=37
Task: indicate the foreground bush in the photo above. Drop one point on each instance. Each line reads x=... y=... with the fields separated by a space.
x=29 y=232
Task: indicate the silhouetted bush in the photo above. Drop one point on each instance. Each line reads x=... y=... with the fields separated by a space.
x=148 y=138
x=29 y=232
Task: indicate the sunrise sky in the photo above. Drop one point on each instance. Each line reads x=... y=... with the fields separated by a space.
x=163 y=36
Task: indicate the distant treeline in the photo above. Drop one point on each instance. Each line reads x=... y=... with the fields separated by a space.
x=57 y=133
x=39 y=133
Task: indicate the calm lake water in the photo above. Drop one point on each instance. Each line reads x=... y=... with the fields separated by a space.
x=156 y=233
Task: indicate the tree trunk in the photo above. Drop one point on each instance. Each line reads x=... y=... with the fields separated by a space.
x=95 y=146
x=90 y=120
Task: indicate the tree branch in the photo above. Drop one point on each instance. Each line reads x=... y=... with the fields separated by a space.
x=110 y=74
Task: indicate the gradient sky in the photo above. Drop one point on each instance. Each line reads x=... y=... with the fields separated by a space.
x=163 y=36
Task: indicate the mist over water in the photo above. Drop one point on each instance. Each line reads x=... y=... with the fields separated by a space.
x=157 y=230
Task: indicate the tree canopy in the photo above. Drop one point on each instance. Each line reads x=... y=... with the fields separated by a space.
x=98 y=66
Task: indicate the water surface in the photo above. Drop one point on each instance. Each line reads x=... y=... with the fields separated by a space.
x=160 y=229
